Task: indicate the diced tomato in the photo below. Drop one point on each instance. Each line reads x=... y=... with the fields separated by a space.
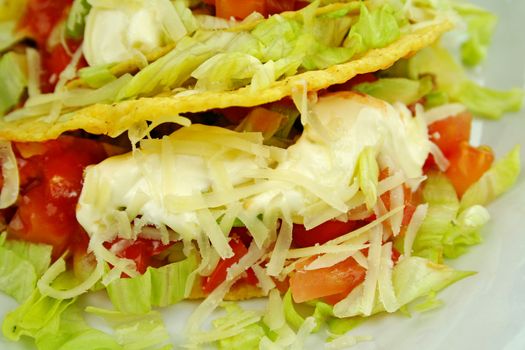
x=322 y=233
x=141 y=251
x=278 y=6
x=41 y=17
x=239 y=9
x=411 y=199
x=219 y=274
x=448 y=133
x=51 y=182
x=40 y=220
x=54 y=62
x=337 y=279
x=263 y=120
x=467 y=165
x=235 y=114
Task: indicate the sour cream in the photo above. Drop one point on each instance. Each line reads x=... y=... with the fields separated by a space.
x=151 y=180
x=118 y=31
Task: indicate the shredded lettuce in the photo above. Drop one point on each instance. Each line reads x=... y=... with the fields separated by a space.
x=293 y=318
x=489 y=103
x=412 y=278
x=449 y=228
x=393 y=90
x=277 y=36
x=375 y=28
x=498 y=179
x=55 y=325
x=245 y=323
x=480 y=26
x=368 y=175
x=96 y=76
x=136 y=332
x=21 y=264
x=237 y=329
x=8 y=34
x=226 y=71
x=157 y=287
x=35 y=314
x=13 y=81
x=76 y=20
x=451 y=79
x=173 y=69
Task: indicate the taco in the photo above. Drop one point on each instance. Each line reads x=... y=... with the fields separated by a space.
x=235 y=187
x=246 y=64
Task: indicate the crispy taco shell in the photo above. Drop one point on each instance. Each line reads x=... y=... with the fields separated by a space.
x=115 y=119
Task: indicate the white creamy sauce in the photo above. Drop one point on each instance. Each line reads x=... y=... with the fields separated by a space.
x=354 y=122
x=120 y=31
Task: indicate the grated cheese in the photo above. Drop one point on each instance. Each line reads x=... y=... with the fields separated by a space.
x=372 y=274
x=34 y=67
x=413 y=228
x=397 y=199
x=440 y=159
x=387 y=294
x=282 y=245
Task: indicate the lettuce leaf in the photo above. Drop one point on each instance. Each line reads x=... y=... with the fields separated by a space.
x=55 y=325
x=21 y=264
x=157 y=287
x=449 y=227
x=76 y=19
x=8 y=35
x=451 y=79
x=368 y=174
x=13 y=81
x=136 y=332
x=465 y=231
x=498 y=179
x=480 y=26
x=393 y=90
x=413 y=277
x=226 y=71
x=486 y=102
x=376 y=28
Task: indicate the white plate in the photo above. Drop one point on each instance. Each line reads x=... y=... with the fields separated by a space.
x=483 y=312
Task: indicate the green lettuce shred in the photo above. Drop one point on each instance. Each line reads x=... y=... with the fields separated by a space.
x=21 y=265
x=413 y=277
x=480 y=27
x=73 y=333
x=497 y=180
x=368 y=175
x=393 y=90
x=430 y=303
x=449 y=228
x=416 y=277
x=76 y=20
x=451 y=79
x=226 y=71
x=55 y=325
x=97 y=76
x=157 y=287
x=376 y=28
x=489 y=103
x=13 y=81
x=8 y=35
x=136 y=332
x=293 y=318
